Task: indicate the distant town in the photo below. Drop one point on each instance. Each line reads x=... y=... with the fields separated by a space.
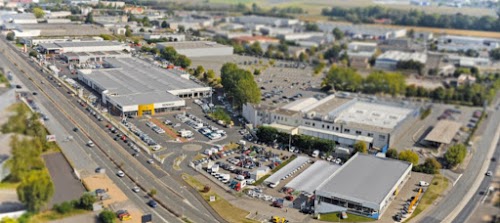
x=221 y=111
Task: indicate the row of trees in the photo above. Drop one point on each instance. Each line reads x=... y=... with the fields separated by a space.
x=85 y=202
x=239 y=84
x=307 y=144
x=170 y=54
x=348 y=79
x=495 y=54
x=26 y=165
x=414 y=18
x=430 y=165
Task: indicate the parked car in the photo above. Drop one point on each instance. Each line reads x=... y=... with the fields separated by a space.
x=152 y=203
x=120 y=173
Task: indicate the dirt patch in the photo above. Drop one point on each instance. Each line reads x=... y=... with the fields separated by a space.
x=101 y=181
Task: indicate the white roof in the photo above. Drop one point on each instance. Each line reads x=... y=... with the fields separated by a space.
x=293 y=165
x=374 y=114
x=403 y=56
x=300 y=104
x=309 y=180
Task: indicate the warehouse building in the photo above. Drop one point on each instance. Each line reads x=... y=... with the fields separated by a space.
x=340 y=119
x=85 y=46
x=364 y=185
x=198 y=48
x=357 y=31
x=390 y=59
x=464 y=43
x=130 y=86
x=309 y=180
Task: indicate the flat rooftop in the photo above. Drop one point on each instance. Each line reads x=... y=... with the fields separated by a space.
x=372 y=114
x=443 y=132
x=365 y=178
x=295 y=164
x=191 y=45
x=65 y=29
x=132 y=81
x=328 y=104
x=309 y=180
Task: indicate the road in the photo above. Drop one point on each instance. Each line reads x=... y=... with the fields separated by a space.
x=485 y=184
x=177 y=200
x=60 y=125
x=455 y=196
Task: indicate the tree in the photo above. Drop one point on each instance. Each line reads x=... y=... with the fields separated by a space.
x=90 y=18
x=333 y=53
x=471 y=53
x=199 y=71
x=337 y=33
x=25 y=157
x=239 y=84
x=33 y=53
x=210 y=74
x=182 y=61
x=107 y=216
x=312 y=27
x=382 y=82
x=128 y=31
x=343 y=79
x=181 y=29
x=392 y=153
x=35 y=190
x=87 y=201
x=495 y=54
x=267 y=134
x=430 y=166
x=153 y=192
x=254 y=49
x=409 y=156
x=256 y=72
x=164 y=24
x=39 y=13
x=455 y=155
x=11 y=36
x=360 y=147
x=63 y=208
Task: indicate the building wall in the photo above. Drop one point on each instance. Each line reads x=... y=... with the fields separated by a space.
x=203 y=52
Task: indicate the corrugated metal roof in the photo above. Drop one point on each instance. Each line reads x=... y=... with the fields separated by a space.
x=309 y=180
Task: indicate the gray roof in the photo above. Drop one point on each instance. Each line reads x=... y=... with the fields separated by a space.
x=365 y=178
x=289 y=168
x=191 y=45
x=58 y=45
x=309 y=180
x=132 y=81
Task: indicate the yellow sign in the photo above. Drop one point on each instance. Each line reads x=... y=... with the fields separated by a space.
x=146 y=108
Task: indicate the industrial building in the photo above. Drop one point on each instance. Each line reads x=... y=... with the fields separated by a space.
x=464 y=43
x=171 y=37
x=356 y=31
x=85 y=46
x=364 y=185
x=134 y=87
x=340 y=119
x=54 y=29
x=198 y=48
x=265 y=20
x=390 y=59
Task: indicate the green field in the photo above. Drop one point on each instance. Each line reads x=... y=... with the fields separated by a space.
x=314 y=7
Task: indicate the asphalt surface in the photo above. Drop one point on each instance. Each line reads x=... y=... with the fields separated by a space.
x=485 y=184
x=458 y=192
x=174 y=196
x=62 y=122
x=67 y=186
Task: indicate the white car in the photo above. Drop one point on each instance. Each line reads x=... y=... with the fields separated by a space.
x=250 y=181
x=273 y=185
x=120 y=173
x=423 y=184
x=489 y=173
x=136 y=189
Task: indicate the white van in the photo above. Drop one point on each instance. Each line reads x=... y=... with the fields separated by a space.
x=185 y=133
x=315 y=153
x=90 y=143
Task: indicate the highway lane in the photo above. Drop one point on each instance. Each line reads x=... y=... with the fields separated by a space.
x=478 y=196
x=62 y=127
x=135 y=169
x=449 y=203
